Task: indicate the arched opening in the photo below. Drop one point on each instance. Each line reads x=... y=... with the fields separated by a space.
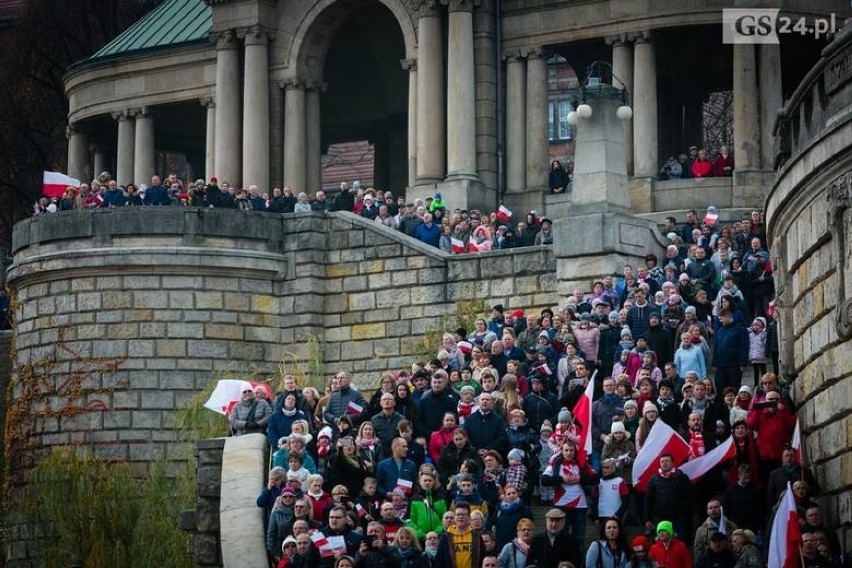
x=364 y=109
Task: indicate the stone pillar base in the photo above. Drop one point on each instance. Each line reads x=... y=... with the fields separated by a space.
x=558 y=205
x=465 y=193
x=641 y=198
x=751 y=187
x=592 y=244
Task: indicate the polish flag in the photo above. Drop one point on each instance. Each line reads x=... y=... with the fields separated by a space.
x=465 y=346
x=711 y=218
x=785 y=538
x=471 y=247
x=405 y=485
x=54 y=184
x=544 y=369
x=696 y=468
x=456 y=245
x=796 y=442
x=362 y=512
x=503 y=213
x=353 y=408
x=583 y=413
x=661 y=440
x=319 y=539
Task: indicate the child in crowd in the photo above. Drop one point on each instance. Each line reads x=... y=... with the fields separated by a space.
x=367 y=503
x=466 y=404
x=611 y=494
x=757 y=354
x=516 y=473
x=279 y=458
x=323 y=449
x=545 y=493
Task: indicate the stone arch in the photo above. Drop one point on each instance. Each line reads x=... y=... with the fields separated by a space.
x=315 y=32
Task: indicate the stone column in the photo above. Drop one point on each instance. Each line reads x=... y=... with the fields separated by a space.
x=461 y=92
x=124 y=152
x=537 y=143
x=228 y=142
x=313 y=136
x=143 y=161
x=516 y=123
x=78 y=152
x=295 y=139
x=770 y=100
x=431 y=116
x=410 y=65
x=99 y=162
x=622 y=68
x=645 y=151
x=746 y=116
x=256 y=108
x=209 y=138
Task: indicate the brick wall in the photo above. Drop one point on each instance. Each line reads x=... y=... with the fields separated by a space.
x=169 y=296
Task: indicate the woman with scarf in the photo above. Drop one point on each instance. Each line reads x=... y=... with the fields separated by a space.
x=746 y=453
x=386 y=385
x=404 y=403
x=650 y=413
x=611 y=549
x=514 y=553
x=345 y=467
x=281 y=423
x=454 y=454
x=427 y=505
x=510 y=511
x=406 y=548
x=442 y=437
x=369 y=447
x=567 y=476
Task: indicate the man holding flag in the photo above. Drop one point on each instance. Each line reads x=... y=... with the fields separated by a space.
x=715 y=522
x=785 y=539
x=604 y=410
x=396 y=471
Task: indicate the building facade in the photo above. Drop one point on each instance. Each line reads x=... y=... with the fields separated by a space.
x=453 y=95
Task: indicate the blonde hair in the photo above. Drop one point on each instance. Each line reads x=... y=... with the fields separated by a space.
x=415 y=542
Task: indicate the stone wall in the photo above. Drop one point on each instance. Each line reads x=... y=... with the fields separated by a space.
x=810 y=213
x=150 y=302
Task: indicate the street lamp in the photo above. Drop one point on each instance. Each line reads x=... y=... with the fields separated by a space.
x=599 y=84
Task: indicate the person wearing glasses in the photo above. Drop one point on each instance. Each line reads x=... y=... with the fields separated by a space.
x=337 y=526
x=280 y=523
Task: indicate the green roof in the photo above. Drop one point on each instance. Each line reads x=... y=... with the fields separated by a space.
x=172 y=23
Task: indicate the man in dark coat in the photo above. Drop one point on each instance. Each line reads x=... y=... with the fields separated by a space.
x=730 y=352
x=434 y=404
x=485 y=428
x=659 y=340
x=667 y=498
x=336 y=527
x=555 y=544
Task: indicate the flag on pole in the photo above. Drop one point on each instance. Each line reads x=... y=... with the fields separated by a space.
x=785 y=538
x=503 y=213
x=661 y=440
x=583 y=413
x=456 y=245
x=54 y=184
x=696 y=468
x=796 y=442
x=723 y=526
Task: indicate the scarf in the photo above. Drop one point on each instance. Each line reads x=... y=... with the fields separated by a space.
x=314 y=495
x=699 y=406
x=368 y=443
x=525 y=548
x=696 y=442
x=611 y=398
x=289 y=413
x=465 y=408
x=668 y=475
x=322 y=451
x=665 y=402
x=431 y=551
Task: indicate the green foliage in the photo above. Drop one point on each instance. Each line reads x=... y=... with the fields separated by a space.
x=465 y=314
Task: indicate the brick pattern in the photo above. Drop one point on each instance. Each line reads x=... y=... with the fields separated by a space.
x=194 y=292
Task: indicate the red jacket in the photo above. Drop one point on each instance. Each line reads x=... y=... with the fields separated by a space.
x=675 y=556
x=721 y=163
x=437 y=441
x=702 y=168
x=774 y=429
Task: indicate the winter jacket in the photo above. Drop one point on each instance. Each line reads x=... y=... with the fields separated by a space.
x=487 y=431
x=389 y=472
x=588 y=339
x=691 y=359
x=339 y=402
x=511 y=556
x=603 y=411
x=425 y=513
x=538 y=408
x=242 y=413
x=565 y=547
x=451 y=458
x=667 y=499
x=730 y=346
x=508 y=515
x=757 y=346
x=637 y=318
x=431 y=410
x=676 y=555
x=281 y=425
x=774 y=428
x=601 y=555
x=702 y=535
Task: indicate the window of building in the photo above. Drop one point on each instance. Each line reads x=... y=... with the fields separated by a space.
x=557 y=113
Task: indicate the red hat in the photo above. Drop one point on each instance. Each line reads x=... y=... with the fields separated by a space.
x=214 y=179
x=641 y=544
x=518 y=314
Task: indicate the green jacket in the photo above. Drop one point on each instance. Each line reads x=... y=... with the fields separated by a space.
x=425 y=514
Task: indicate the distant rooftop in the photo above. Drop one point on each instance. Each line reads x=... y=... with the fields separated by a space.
x=174 y=22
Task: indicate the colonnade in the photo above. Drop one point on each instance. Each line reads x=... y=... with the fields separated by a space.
x=526 y=121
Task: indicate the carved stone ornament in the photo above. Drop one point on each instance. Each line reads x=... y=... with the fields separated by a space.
x=226 y=39
x=839 y=200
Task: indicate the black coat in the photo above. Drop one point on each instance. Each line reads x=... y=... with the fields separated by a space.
x=565 y=547
x=668 y=499
x=450 y=460
x=431 y=410
x=487 y=431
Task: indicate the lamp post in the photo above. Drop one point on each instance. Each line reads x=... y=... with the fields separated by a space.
x=599 y=85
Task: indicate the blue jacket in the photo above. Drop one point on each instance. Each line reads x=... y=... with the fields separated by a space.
x=691 y=359
x=430 y=235
x=114 y=198
x=637 y=318
x=281 y=425
x=730 y=346
x=157 y=195
x=388 y=472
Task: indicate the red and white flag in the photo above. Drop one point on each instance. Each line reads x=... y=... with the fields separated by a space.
x=711 y=218
x=405 y=485
x=544 y=369
x=661 y=440
x=503 y=213
x=785 y=538
x=696 y=468
x=353 y=408
x=465 y=346
x=54 y=184
x=456 y=245
x=796 y=442
x=359 y=508
x=583 y=414
x=319 y=539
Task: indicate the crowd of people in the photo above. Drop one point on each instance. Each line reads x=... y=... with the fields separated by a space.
x=699 y=163
x=441 y=465
x=426 y=219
